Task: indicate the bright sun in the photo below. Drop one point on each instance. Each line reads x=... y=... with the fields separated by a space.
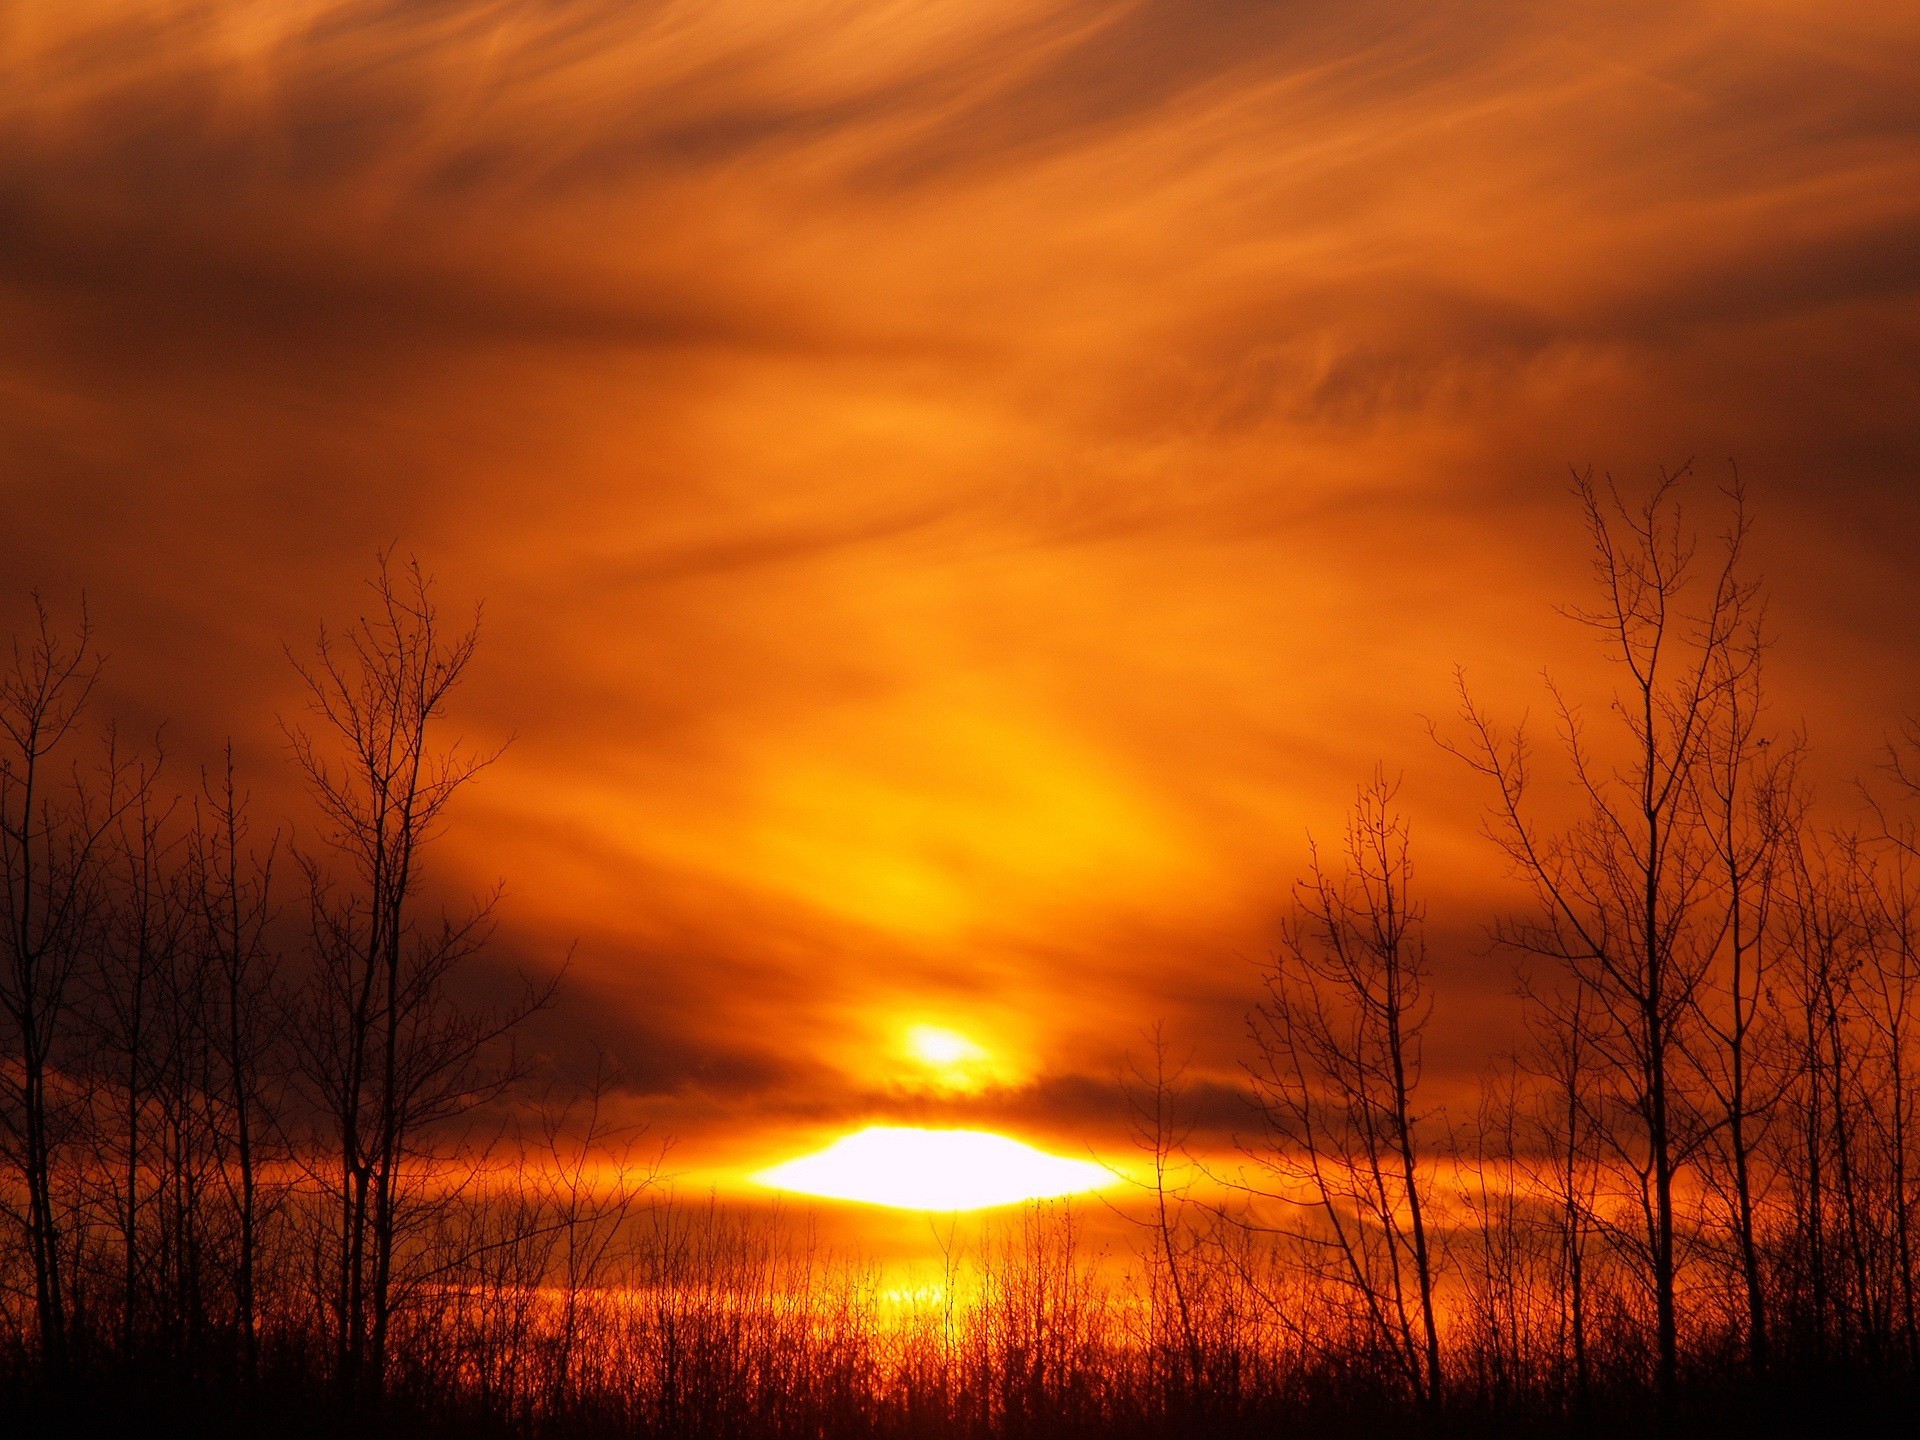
x=942 y=1049
x=944 y=1060
x=912 y=1169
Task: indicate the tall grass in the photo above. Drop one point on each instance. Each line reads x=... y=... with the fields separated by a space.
x=706 y=1319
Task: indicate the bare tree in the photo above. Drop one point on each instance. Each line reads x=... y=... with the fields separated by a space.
x=389 y=1051
x=55 y=826
x=593 y=1176
x=234 y=890
x=1889 y=983
x=1560 y=1059
x=1896 y=985
x=187 y=1151
x=1751 y=806
x=1626 y=897
x=1820 y=936
x=144 y=931
x=1160 y=1133
x=1336 y=1069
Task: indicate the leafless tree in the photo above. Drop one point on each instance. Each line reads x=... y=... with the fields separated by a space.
x=1559 y=1059
x=233 y=887
x=1752 y=805
x=389 y=1051
x=1886 y=993
x=1895 y=985
x=592 y=1175
x=143 y=936
x=1336 y=1070
x=1160 y=1134
x=56 y=823
x=1626 y=898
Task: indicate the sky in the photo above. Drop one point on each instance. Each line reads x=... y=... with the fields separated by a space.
x=959 y=489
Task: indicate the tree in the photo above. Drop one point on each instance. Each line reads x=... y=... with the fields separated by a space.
x=1752 y=806
x=1896 y=896
x=1627 y=900
x=143 y=939
x=1559 y=1059
x=234 y=890
x=1159 y=1134
x=54 y=830
x=1336 y=1070
x=390 y=1053
x=1888 y=983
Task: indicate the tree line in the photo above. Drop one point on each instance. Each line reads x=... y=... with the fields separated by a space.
x=1698 y=1162
x=245 y=1088
x=259 y=1139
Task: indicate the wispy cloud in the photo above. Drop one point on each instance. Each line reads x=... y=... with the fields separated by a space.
x=958 y=487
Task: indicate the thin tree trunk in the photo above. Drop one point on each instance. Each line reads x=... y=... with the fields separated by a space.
x=1403 y=1128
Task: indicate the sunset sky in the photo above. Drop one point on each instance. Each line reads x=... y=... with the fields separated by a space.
x=958 y=488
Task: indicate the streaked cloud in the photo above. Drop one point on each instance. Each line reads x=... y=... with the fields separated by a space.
x=958 y=488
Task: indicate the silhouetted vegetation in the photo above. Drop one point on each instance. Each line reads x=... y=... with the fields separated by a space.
x=269 y=1164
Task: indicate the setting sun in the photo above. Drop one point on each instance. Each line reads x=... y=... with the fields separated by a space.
x=943 y=1049
x=915 y=1169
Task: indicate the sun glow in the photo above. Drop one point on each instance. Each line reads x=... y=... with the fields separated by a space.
x=914 y=1169
x=940 y=1059
x=943 y=1049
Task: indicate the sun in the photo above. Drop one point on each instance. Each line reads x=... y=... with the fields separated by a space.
x=913 y=1169
x=945 y=1060
x=942 y=1049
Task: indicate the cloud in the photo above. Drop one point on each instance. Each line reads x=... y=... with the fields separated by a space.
x=958 y=488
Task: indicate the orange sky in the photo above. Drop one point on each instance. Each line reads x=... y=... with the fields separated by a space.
x=958 y=486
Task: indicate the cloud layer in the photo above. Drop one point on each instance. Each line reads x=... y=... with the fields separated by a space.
x=958 y=488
